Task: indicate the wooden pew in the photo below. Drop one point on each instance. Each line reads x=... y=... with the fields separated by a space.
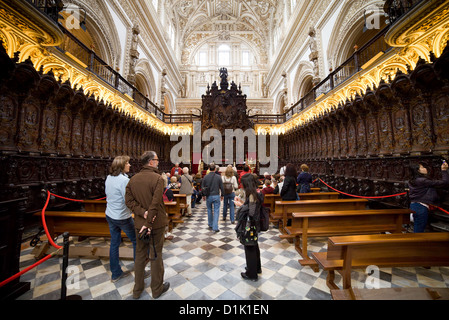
x=174 y=214
x=181 y=199
x=270 y=199
x=284 y=209
x=382 y=250
x=315 y=189
x=81 y=224
x=77 y=223
x=391 y=294
x=346 y=222
x=95 y=205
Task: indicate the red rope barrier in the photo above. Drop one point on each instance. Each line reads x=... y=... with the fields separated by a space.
x=441 y=209
x=351 y=195
x=25 y=270
x=50 y=240
x=44 y=224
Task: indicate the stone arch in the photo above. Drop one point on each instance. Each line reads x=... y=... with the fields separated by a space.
x=169 y=103
x=101 y=30
x=348 y=30
x=145 y=82
x=279 y=103
x=302 y=82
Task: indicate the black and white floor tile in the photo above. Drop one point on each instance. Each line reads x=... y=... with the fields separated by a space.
x=203 y=265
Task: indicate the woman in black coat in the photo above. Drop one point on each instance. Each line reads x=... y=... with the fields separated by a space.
x=422 y=193
x=288 y=191
x=248 y=212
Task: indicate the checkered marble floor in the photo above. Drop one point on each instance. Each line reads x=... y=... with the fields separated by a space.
x=203 y=265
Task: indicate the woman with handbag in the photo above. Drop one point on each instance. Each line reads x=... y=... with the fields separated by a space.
x=248 y=226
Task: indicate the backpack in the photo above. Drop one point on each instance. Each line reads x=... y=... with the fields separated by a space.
x=228 y=189
x=164 y=196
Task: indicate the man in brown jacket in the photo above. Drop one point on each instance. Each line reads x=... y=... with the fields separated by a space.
x=144 y=198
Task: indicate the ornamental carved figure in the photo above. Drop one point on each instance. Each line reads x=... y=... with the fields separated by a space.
x=224 y=108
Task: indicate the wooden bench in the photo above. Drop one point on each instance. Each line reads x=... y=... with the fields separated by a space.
x=174 y=214
x=382 y=250
x=270 y=199
x=81 y=224
x=181 y=199
x=77 y=223
x=284 y=209
x=391 y=294
x=95 y=205
x=346 y=222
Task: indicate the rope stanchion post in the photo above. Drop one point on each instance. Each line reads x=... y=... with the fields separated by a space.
x=52 y=243
x=65 y=264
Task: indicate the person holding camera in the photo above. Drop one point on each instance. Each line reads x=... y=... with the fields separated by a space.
x=144 y=197
x=423 y=194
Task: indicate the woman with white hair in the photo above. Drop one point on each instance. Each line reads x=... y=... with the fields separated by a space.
x=187 y=189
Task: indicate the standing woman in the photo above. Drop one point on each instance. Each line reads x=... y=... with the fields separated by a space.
x=118 y=215
x=229 y=183
x=288 y=191
x=422 y=193
x=247 y=212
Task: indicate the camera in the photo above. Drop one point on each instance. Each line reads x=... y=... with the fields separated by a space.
x=145 y=235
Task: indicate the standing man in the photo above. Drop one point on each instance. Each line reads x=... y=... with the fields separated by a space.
x=144 y=198
x=213 y=184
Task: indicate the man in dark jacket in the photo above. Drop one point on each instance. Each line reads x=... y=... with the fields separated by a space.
x=144 y=198
x=213 y=183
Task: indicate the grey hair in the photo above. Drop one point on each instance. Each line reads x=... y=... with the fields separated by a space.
x=147 y=156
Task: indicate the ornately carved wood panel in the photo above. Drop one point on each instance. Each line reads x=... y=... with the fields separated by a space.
x=440 y=107
x=8 y=120
x=27 y=138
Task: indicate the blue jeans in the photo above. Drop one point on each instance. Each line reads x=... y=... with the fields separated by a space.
x=228 y=201
x=212 y=218
x=115 y=228
x=195 y=197
x=419 y=217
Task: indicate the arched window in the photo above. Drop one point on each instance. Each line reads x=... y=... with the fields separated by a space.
x=224 y=55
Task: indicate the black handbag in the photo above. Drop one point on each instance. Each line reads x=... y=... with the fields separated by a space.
x=249 y=236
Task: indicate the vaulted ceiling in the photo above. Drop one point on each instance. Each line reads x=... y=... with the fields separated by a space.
x=249 y=20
